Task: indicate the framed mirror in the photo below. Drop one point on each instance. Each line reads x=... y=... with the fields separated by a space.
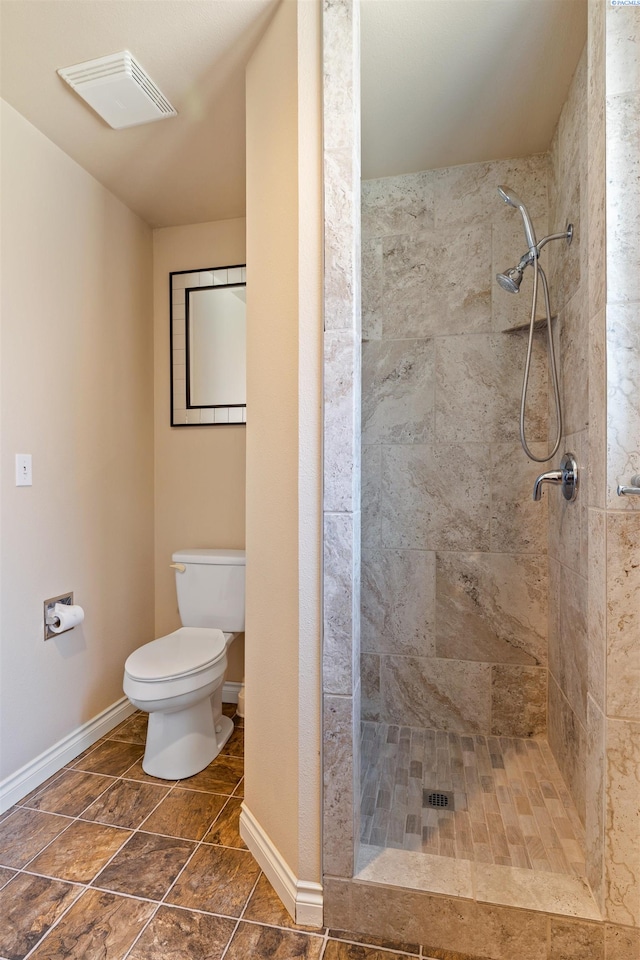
x=208 y=346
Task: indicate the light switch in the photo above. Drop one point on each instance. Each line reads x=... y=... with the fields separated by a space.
x=23 y=470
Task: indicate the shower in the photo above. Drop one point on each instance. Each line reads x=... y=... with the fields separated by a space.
x=510 y=281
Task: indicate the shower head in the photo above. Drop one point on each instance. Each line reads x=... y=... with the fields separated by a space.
x=514 y=201
x=510 y=280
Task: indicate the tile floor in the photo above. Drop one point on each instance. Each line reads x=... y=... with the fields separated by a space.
x=103 y=862
x=511 y=806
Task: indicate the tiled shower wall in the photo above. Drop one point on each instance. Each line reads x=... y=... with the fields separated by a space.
x=454 y=566
x=568 y=522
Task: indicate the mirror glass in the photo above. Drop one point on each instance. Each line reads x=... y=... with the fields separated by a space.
x=208 y=346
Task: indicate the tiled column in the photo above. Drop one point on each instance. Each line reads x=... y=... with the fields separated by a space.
x=341 y=649
x=622 y=767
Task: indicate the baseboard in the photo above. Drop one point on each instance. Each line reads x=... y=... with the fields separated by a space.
x=27 y=778
x=230 y=691
x=302 y=898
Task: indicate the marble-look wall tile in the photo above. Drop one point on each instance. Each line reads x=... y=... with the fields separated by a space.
x=339 y=795
x=623 y=398
x=594 y=801
x=404 y=292
x=597 y=608
x=459 y=927
x=568 y=742
x=398 y=205
x=337 y=667
x=467 y=194
x=372 y=289
x=568 y=536
x=435 y=496
x=621 y=943
x=597 y=410
x=444 y=694
x=574 y=362
x=458 y=279
x=622 y=50
x=477 y=394
x=340 y=534
x=341 y=242
x=397 y=405
x=623 y=622
x=492 y=607
x=371 y=480
x=518 y=701
x=622 y=830
x=370 y=693
x=518 y=523
x=572 y=940
x=398 y=593
x=568 y=651
x=342 y=361
x=623 y=209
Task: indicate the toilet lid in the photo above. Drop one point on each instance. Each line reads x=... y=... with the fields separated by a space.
x=180 y=653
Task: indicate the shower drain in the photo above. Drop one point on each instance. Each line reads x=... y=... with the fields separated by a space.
x=440 y=799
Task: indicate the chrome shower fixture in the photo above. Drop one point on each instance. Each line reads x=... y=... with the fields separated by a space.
x=514 y=201
x=511 y=279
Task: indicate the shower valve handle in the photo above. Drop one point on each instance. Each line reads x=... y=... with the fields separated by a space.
x=566 y=476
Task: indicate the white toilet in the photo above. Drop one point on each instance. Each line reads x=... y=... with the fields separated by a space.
x=178 y=678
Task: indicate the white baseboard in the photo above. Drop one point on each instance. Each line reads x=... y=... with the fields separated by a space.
x=230 y=691
x=23 y=781
x=302 y=898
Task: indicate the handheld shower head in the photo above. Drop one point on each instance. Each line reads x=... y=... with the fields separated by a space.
x=514 y=200
x=510 y=280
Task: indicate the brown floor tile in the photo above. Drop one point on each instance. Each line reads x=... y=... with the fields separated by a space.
x=85 y=753
x=133 y=730
x=412 y=949
x=71 y=793
x=126 y=803
x=111 y=757
x=79 y=852
x=221 y=776
x=265 y=906
x=234 y=747
x=185 y=813
x=7 y=813
x=99 y=926
x=176 y=934
x=239 y=790
x=29 y=906
x=146 y=866
x=268 y=943
x=136 y=772
x=225 y=830
x=218 y=880
x=5 y=876
x=34 y=793
x=338 y=950
x=25 y=833
x=229 y=709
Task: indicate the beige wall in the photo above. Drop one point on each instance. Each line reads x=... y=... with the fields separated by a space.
x=199 y=471
x=283 y=436
x=77 y=393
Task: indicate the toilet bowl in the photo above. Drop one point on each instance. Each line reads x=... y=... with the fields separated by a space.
x=177 y=679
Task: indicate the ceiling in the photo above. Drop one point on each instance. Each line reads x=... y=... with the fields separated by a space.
x=443 y=82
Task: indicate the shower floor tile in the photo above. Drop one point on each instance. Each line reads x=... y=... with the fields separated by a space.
x=510 y=804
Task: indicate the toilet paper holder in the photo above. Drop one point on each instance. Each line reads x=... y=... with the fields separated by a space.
x=50 y=618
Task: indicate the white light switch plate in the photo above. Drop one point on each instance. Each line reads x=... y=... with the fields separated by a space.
x=23 y=470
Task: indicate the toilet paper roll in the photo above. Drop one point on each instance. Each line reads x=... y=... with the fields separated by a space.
x=69 y=615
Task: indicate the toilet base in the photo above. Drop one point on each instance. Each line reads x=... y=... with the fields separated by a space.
x=184 y=742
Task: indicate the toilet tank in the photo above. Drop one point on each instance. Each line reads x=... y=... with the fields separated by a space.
x=211 y=588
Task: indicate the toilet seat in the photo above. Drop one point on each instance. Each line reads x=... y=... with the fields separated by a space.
x=179 y=654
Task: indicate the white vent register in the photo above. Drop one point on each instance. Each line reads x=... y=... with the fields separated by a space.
x=119 y=90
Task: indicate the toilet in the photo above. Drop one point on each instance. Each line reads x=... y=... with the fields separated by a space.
x=177 y=679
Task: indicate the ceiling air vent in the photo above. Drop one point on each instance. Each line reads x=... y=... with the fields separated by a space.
x=118 y=89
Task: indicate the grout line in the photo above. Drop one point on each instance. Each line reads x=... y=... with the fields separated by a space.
x=242 y=912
